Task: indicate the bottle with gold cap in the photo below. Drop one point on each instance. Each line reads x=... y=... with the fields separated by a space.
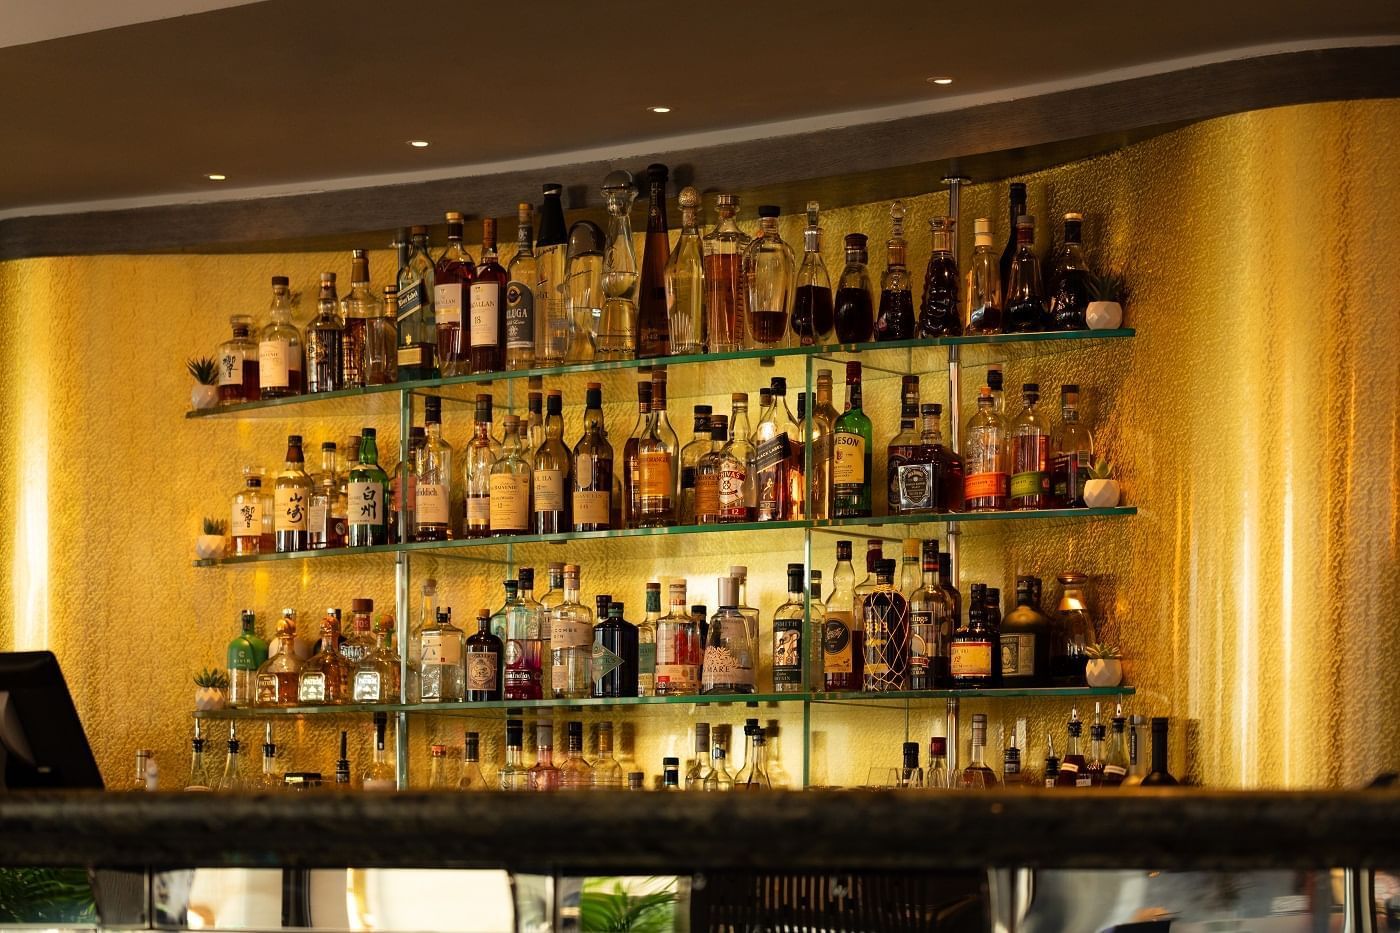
x=523 y=277
x=685 y=281
x=895 y=319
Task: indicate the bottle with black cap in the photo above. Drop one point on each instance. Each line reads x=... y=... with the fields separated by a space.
x=615 y=641
x=670 y=774
x=342 y=764
x=1159 y=776
x=653 y=320
x=513 y=774
x=1018 y=208
x=911 y=775
x=551 y=291
x=417 y=352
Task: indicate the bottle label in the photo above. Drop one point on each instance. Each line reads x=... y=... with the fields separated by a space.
x=520 y=317
x=1018 y=655
x=481 y=670
x=565 y=634
x=246 y=520
x=591 y=507
x=366 y=503
x=273 y=363
x=549 y=490
x=417 y=355
x=921 y=642
x=770 y=461
x=413 y=295
x=583 y=470
x=479 y=510
x=787 y=652
x=486 y=314
x=291 y=509
x=970 y=659
x=722 y=668
x=677 y=678
x=316 y=520
x=848 y=466
x=1030 y=483
x=707 y=495
x=1084 y=780
x=1069 y=767
x=654 y=474
x=509 y=504
x=915 y=487
x=1114 y=770
x=646 y=668
x=311 y=688
x=231 y=369
x=447 y=299
x=732 y=504
x=430 y=506
x=368 y=688
x=984 y=486
x=441 y=648
x=241 y=656
x=836 y=643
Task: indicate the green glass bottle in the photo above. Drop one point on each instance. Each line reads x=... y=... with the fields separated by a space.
x=246 y=653
x=850 y=471
x=368 y=503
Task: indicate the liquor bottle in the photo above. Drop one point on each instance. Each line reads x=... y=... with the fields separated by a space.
x=843 y=652
x=246 y=653
x=741 y=447
x=945 y=583
x=432 y=472
x=325 y=679
x=279 y=347
x=1025 y=639
x=813 y=315
x=246 y=517
x=885 y=614
x=823 y=427
x=1094 y=767
x=981 y=307
x=936 y=777
x=874 y=553
x=513 y=774
x=380 y=775
x=232 y=780
x=1011 y=774
x=270 y=779
x=1159 y=776
x=811 y=647
x=453 y=275
x=631 y=465
x=507 y=496
x=524 y=646
x=279 y=675
x=1074 y=631
x=417 y=354
x=443 y=678
x=402 y=488
x=606 y=772
x=293 y=499
x=947 y=463
x=617 y=327
x=584 y=271
x=938 y=312
x=616 y=636
x=985 y=457
x=471 y=778
x=788 y=643
x=851 y=446
x=754 y=775
x=1052 y=762
x=1068 y=287
x=719 y=779
x=895 y=321
x=699 y=445
x=670 y=773
x=992 y=604
x=368 y=494
x=575 y=773
x=977 y=773
x=653 y=324
x=646 y=642
x=552 y=325
x=200 y=777
x=483 y=659
x=1072 y=765
x=729 y=648
x=853 y=315
x=591 y=484
x=571 y=641
x=749 y=613
x=1008 y=254
x=522 y=278
x=487 y=299
x=1071 y=454
x=1030 y=453
x=773 y=460
x=1025 y=296
x=724 y=248
x=238 y=363
x=970 y=652
x=321 y=527
x=910 y=569
x=703 y=766
x=380 y=362
x=908 y=489
x=656 y=451
x=342 y=764
x=375 y=678
x=684 y=277
x=995 y=381
x=770 y=278
x=437 y=767
x=357 y=309
x=544 y=776
x=553 y=473
x=1115 y=766
x=678 y=647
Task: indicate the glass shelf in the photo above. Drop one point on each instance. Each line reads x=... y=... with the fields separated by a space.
x=911 y=524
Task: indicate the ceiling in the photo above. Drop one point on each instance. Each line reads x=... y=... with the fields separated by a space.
x=303 y=94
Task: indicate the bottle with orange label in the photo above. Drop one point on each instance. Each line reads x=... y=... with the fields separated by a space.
x=656 y=458
x=986 y=483
x=970 y=653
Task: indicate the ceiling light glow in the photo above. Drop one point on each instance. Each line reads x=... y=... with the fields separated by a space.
x=217 y=177
x=418 y=143
x=659 y=109
x=940 y=81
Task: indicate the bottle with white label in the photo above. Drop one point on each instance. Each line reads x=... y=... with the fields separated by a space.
x=488 y=306
x=729 y=647
x=246 y=517
x=292 y=501
x=443 y=678
x=553 y=478
x=279 y=347
x=522 y=278
x=326 y=517
x=432 y=477
x=592 y=483
x=453 y=276
x=571 y=642
x=367 y=502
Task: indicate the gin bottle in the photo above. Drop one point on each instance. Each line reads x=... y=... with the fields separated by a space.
x=551 y=293
x=724 y=290
x=788 y=643
x=685 y=282
x=617 y=329
x=292 y=501
x=981 y=306
x=483 y=660
x=279 y=347
x=524 y=647
x=442 y=645
x=678 y=647
x=417 y=323
x=729 y=649
x=770 y=280
x=653 y=322
x=938 y=312
x=453 y=275
x=646 y=642
x=523 y=277
x=246 y=653
x=812 y=309
x=571 y=642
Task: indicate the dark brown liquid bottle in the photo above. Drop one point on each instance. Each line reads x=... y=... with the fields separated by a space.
x=1018 y=207
x=488 y=306
x=854 y=312
x=653 y=321
x=938 y=312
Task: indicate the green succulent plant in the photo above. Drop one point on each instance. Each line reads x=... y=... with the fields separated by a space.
x=1102 y=469
x=215 y=526
x=204 y=369
x=1102 y=651
x=1111 y=286
x=211 y=679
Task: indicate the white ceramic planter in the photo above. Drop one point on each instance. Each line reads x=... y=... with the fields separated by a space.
x=202 y=397
x=209 y=547
x=1102 y=493
x=207 y=698
x=1101 y=672
x=1104 y=315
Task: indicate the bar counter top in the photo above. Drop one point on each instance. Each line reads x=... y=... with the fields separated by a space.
x=627 y=832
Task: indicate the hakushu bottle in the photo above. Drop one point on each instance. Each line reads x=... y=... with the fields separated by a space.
x=488 y=306
x=985 y=458
x=1025 y=295
x=938 y=312
x=523 y=277
x=788 y=644
x=367 y=511
x=483 y=660
x=592 y=480
x=617 y=327
x=279 y=347
x=452 y=279
x=981 y=305
x=895 y=320
x=246 y=653
x=685 y=292
x=1068 y=286
x=653 y=323
x=292 y=501
x=843 y=653
x=812 y=307
x=571 y=641
x=432 y=471
x=770 y=276
x=361 y=310
x=885 y=614
x=851 y=441
x=553 y=477
x=853 y=315
x=417 y=353
x=723 y=279
x=1071 y=453
x=1030 y=453
x=238 y=363
x=730 y=652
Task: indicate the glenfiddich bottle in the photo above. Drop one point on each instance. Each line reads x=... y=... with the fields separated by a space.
x=432 y=472
x=488 y=306
x=653 y=323
x=453 y=275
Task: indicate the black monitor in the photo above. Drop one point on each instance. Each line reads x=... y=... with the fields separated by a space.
x=42 y=743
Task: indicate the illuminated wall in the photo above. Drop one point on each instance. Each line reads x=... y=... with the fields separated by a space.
x=1254 y=422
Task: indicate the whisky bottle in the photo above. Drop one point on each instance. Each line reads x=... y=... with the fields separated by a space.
x=854 y=315
x=723 y=280
x=380 y=775
x=789 y=647
x=946 y=463
x=1025 y=639
x=779 y=458
x=678 y=647
x=488 y=306
x=553 y=473
x=885 y=614
x=238 y=363
x=324 y=679
x=843 y=653
x=617 y=328
x=246 y=517
x=293 y=500
x=246 y=653
x=985 y=457
x=453 y=275
x=279 y=347
x=477 y=471
x=631 y=466
x=656 y=451
x=653 y=324
x=325 y=522
x=432 y=469
x=551 y=293
x=851 y=443
x=703 y=766
x=1159 y=776
x=280 y=674
x=981 y=306
x=575 y=773
x=895 y=320
x=380 y=363
x=523 y=277
x=932 y=620
x=729 y=648
x=360 y=310
x=615 y=640
x=513 y=774
x=402 y=488
x=1025 y=296
x=442 y=645
x=1008 y=254
x=685 y=290
x=1071 y=454
x=646 y=642
x=508 y=485
x=368 y=495
x=992 y=604
x=544 y=776
x=824 y=417
x=592 y=479
x=417 y=280
x=770 y=278
x=970 y=653
x=938 y=312
x=1068 y=284
x=700 y=444
x=1030 y=453
x=742 y=448
x=233 y=780
x=483 y=659
x=812 y=308
x=907 y=479
x=910 y=568
x=571 y=641
x=471 y=778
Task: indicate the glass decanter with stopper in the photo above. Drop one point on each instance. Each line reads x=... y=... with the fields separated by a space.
x=769 y=280
x=938 y=312
x=617 y=330
x=854 y=316
x=723 y=281
x=813 y=314
x=895 y=320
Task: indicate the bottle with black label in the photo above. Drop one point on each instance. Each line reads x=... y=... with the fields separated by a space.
x=788 y=648
x=523 y=276
x=1025 y=639
x=902 y=452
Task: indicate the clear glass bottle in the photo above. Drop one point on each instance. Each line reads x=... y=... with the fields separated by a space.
x=1030 y=453
x=544 y=776
x=201 y=778
x=843 y=653
x=851 y=460
x=279 y=347
x=653 y=322
x=617 y=329
x=1071 y=453
x=442 y=648
x=656 y=457
x=325 y=679
x=1075 y=630
x=432 y=472
x=938 y=312
x=702 y=767
x=813 y=315
x=985 y=457
x=978 y=774
x=723 y=278
x=742 y=448
x=907 y=491
x=819 y=438
x=789 y=647
x=478 y=469
x=401 y=485
x=380 y=365
x=729 y=648
x=885 y=615
x=700 y=443
x=483 y=659
x=524 y=651
x=1094 y=767
x=1115 y=765
x=981 y=306
x=523 y=277
x=417 y=286
x=854 y=314
x=376 y=676
x=513 y=774
x=245 y=525
x=1025 y=295
x=936 y=777
x=770 y=280
x=607 y=771
x=575 y=773
x=719 y=779
x=895 y=320
x=488 y=306
x=453 y=275
x=279 y=675
x=246 y=654
x=471 y=777
x=685 y=292
x=238 y=363
x=931 y=622
x=585 y=274
x=438 y=778
x=678 y=646
x=292 y=501
x=571 y=642
x=551 y=294
x=646 y=642
x=357 y=310
x=1068 y=282
x=380 y=775
x=910 y=575
x=325 y=522
x=754 y=775
x=233 y=779
x=368 y=495
x=591 y=484
x=553 y=473
x=270 y=781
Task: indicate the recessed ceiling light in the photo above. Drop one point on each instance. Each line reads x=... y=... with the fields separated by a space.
x=418 y=143
x=939 y=80
x=217 y=177
x=659 y=109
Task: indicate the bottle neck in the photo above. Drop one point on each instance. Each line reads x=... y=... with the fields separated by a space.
x=514 y=755
x=1159 y=750
x=853 y=396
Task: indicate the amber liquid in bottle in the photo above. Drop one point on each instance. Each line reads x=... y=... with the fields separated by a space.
x=724 y=297
x=653 y=320
x=488 y=306
x=454 y=267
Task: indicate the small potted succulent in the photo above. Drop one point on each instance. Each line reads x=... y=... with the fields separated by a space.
x=1101 y=490
x=1108 y=292
x=211 y=689
x=205 y=393
x=210 y=544
x=1105 y=667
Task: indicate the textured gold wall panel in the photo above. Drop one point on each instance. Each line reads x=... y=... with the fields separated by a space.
x=1254 y=422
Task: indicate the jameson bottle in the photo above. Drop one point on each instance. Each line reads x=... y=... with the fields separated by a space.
x=1018 y=208
x=850 y=470
x=488 y=306
x=292 y=501
x=653 y=322
x=523 y=278
x=367 y=503
x=453 y=276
